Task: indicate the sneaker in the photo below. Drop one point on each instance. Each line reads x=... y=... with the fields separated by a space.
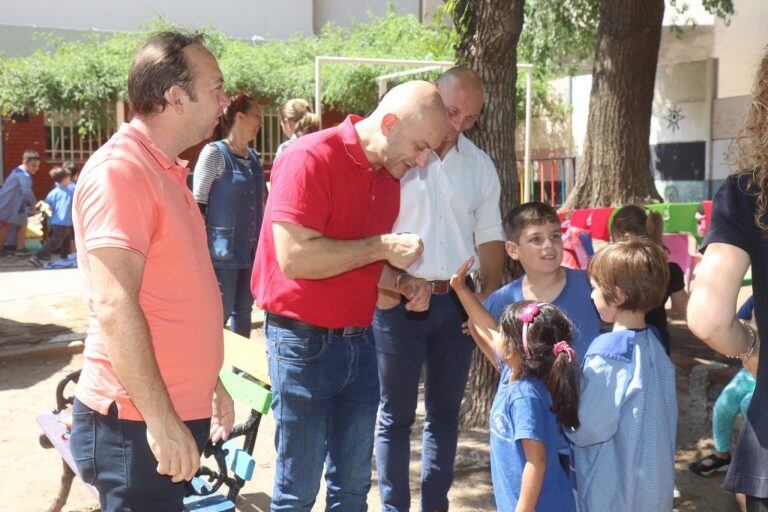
x=35 y=261
x=709 y=465
x=676 y=493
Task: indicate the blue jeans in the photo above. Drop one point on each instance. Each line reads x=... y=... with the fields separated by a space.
x=325 y=396
x=236 y=296
x=113 y=455
x=406 y=342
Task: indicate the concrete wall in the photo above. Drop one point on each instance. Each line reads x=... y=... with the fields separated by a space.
x=739 y=47
x=347 y=12
x=237 y=18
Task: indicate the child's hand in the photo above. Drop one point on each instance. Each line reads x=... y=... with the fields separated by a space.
x=459 y=279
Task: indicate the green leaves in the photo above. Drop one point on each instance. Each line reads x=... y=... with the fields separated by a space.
x=89 y=75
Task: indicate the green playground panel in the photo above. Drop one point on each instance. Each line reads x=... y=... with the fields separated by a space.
x=678 y=217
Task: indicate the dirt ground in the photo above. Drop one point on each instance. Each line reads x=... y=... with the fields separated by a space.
x=27 y=388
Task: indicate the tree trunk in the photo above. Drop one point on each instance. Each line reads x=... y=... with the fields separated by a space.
x=616 y=168
x=490 y=30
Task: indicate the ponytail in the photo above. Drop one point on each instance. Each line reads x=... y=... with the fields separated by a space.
x=309 y=123
x=654 y=227
x=563 y=384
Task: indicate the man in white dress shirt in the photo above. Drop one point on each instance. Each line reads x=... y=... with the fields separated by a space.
x=453 y=205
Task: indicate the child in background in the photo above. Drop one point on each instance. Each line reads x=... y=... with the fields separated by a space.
x=538 y=392
x=16 y=197
x=59 y=200
x=633 y=221
x=534 y=240
x=74 y=172
x=625 y=446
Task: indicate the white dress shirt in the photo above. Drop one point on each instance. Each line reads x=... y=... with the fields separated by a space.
x=453 y=205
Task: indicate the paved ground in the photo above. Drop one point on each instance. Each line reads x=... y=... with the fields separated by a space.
x=38 y=304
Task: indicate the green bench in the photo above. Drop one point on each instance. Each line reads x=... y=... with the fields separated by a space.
x=245 y=375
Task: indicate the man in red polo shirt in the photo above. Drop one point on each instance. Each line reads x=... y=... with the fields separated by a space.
x=149 y=395
x=323 y=245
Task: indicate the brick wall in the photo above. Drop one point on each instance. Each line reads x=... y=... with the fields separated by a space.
x=29 y=133
x=24 y=134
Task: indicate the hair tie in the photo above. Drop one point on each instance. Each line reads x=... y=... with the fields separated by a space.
x=527 y=317
x=564 y=346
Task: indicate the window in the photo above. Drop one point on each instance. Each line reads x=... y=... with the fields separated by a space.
x=270 y=136
x=64 y=142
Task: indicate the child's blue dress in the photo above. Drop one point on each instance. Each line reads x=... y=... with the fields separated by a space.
x=522 y=410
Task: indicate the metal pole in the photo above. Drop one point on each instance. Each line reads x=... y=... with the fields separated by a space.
x=709 y=100
x=527 y=169
x=318 y=93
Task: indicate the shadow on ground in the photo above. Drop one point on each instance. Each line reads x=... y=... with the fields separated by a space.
x=27 y=372
x=13 y=332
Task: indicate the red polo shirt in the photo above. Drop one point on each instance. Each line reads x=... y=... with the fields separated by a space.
x=324 y=182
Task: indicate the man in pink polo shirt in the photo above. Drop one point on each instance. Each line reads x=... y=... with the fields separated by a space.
x=323 y=245
x=149 y=396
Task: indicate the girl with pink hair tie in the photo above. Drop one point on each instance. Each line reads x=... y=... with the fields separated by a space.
x=538 y=395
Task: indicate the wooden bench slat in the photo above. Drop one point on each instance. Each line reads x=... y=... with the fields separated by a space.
x=54 y=430
x=246 y=391
x=209 y=503
x=248 y=355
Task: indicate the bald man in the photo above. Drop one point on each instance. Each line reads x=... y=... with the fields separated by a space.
x=325 y=240
x=453 y=205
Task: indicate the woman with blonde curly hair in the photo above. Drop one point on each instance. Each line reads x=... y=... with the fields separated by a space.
x=738 y=238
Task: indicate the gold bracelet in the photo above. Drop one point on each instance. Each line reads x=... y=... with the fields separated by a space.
x=752 y=341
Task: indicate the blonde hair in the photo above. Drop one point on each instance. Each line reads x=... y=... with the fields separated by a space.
x=750 y=147
x=299 y=111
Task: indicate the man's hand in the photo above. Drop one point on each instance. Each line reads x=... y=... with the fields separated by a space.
x=417 y=290
x=403 y=249
x=223 y=418
x=174 y=448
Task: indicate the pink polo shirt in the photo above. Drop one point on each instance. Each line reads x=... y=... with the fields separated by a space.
x=131 y=196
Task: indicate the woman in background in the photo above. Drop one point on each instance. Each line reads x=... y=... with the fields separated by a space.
x=296 y=120
x=228 y=185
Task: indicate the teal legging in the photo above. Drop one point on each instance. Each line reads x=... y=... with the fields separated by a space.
x=735 y=398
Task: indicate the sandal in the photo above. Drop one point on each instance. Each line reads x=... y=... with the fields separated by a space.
x=709 y=465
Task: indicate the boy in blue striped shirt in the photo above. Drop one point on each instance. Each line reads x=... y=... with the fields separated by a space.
x=625 y=445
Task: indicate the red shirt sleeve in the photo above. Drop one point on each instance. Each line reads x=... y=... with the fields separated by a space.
x=301 y=192
x=117 y=208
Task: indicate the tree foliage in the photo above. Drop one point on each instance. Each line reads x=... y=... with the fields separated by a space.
x=86 y=75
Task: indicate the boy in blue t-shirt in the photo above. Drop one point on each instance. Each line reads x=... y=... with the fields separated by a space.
x=534 y=239
x=59 y=200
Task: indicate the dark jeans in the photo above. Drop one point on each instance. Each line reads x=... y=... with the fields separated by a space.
x=235 y=288
x=325 y=395
x=757 y=504
x=58 y=241
x=113 y=455
x=406 y=342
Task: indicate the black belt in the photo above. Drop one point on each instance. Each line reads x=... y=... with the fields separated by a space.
x=297 y=325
